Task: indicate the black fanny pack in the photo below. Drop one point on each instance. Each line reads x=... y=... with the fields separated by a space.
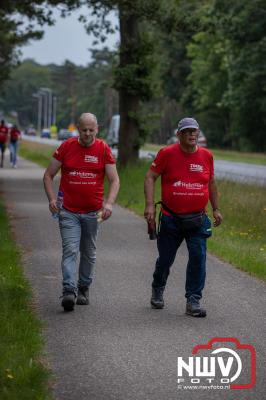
x=188 y=222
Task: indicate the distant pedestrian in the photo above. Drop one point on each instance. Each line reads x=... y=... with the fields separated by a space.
x=3 y=140
x=187 y=180
x=15 y=136
x=84 y=161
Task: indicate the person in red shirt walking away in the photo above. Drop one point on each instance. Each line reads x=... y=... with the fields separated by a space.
x=84 y=161
x=187 y=180
x=15 y=136
x=3 y=140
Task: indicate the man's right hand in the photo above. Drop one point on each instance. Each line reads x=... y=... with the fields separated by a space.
x=149 y=185
x=149 y=213
x=53 y=206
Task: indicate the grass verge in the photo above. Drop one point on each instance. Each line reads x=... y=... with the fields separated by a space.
x=240 y=240
x=22 y=376
x=39 y=153
x=236 y=156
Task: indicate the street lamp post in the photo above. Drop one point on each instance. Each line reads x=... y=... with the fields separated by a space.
x=50 y=108
x=39 y=96
x=47 y=93
x=39 y=113
x=46 y=108
x=54 y=110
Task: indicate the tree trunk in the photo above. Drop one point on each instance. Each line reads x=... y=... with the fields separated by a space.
x=128 y=146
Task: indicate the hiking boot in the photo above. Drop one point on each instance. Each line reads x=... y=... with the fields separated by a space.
x=68 y=301
x=83 y=296
x=157 y=298
x=195 y=310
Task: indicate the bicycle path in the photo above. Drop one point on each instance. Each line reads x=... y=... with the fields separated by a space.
x=118 y=348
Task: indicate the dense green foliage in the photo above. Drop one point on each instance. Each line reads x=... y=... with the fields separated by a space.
x=17 y=94
x=227 y=81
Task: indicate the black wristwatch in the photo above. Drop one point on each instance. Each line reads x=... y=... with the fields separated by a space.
x=215 y=209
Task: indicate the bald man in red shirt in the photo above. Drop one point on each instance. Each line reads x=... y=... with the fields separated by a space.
x=187 y=183
x=84 y=161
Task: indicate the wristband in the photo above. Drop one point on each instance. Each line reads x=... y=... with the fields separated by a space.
x=215 y=209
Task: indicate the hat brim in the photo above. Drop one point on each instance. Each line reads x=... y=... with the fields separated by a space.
x=188 y=126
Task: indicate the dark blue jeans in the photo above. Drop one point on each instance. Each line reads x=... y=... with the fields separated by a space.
x=170 y=238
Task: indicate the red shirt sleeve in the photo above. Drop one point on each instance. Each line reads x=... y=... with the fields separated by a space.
x=60 y=152
x=159 y=162
x=108 y=156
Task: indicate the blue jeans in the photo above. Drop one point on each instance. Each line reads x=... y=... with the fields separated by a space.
x=2 y=149
x=79 y=234
x=13 y=147
x=170 y=238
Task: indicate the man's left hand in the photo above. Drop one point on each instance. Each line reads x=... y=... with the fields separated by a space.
x=107 y=211
x=217 y=218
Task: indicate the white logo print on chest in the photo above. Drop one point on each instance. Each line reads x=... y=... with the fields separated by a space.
x=91 y=159
x=196 y=167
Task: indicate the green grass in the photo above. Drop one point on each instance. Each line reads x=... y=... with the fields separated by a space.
x=236 y=156
x=39 y=153
x=228 y=155
x=152 y=147
x=131 y=193
x=22 y=375
x=240 y=240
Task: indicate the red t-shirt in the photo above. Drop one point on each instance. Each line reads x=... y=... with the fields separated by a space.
x=185 y=178
x=3 y=133
x=14 y=134
x=82 y=174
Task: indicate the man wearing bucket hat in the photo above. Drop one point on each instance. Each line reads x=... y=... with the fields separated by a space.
x=187 y=180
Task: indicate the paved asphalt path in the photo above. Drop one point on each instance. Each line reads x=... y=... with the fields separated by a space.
x=118 y=348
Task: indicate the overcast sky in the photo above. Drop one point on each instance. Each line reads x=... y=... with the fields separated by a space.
x=67 y=39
